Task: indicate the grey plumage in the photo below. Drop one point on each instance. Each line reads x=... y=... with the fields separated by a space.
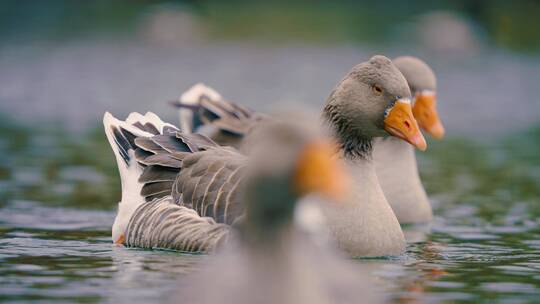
x=161 y=224
x=273 y=262
x=225 y=122
x=158 y=174
x=207 y=175
x=418 y=74
x=170 y=144
x=292 y=271
x=187 y=180
x=380 y=70
x=351 y=142
x=354 y=126
x=372 y=100
x=209 y=183
x=165 y=160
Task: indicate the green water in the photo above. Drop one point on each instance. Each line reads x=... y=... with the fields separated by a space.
x=58 y=194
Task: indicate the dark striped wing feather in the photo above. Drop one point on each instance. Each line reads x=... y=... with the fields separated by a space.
x=231 y=122
x=161 y=156
x=198 y=173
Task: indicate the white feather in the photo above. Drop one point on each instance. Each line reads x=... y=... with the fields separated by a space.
x=155 y=120
x=193 y=94
x=134 y=117
x=310 y=218
x=129 y=173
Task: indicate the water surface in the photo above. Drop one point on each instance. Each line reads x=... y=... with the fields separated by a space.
x=59 y=192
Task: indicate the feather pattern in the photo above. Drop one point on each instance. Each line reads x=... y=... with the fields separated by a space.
x=148 y=145
x=165 y=160
x=187 y=185
x=191 y=168
x=229 y=121
x=158 y=174
x=162 y=224
x=205 y=181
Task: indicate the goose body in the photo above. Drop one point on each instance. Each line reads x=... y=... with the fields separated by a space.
x=188 y=189
x=397 y=171
x=272 y=261
x=269 y=261
x=395 y=160
x=290 y=270
x=179 y=191
x=366 y=225
x=161 y=223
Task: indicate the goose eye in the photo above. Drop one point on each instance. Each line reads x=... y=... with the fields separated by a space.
x=377 y=90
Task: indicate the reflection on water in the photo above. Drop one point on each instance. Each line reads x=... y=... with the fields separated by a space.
x=58 y=195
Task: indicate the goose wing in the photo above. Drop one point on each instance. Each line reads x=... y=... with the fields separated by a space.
x=227 y=123
x=161 y=223
x=195 y=171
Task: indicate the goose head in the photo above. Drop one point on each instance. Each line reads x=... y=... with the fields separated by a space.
x=423 y=85
x=288 y=161
x=373 y=100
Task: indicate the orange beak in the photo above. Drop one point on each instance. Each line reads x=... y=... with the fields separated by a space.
x=425 y=112
x=319 y=170
x=400 y=123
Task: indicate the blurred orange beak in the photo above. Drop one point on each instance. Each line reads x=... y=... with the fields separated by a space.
x=319 y=170
x=400 y=123
x=425 y=112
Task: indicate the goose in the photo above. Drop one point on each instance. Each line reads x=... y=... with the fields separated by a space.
x=184 y=192
x=373 y=100
x=395 y=159
x=396 y=166
x=273 y=261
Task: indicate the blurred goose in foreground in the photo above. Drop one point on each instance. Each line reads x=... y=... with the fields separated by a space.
x=273 y=261
x=404 y=190
x=183 y=191
x=373 y=100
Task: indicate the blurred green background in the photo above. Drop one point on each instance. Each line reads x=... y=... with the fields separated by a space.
x=509 y=24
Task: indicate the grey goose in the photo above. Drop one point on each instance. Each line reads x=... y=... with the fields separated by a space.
x=395 y=159
x=184 y=192
x=373 y=100
x=203 y=109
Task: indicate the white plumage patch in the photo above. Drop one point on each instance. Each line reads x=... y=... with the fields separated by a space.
x=193 y=94
x=309 y=217
x=149 y=117
x=404 y=100
x=131 y=197
x=129 y=170
x=428 y=93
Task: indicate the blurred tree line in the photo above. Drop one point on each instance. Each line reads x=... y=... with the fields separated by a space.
x=509 y=24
